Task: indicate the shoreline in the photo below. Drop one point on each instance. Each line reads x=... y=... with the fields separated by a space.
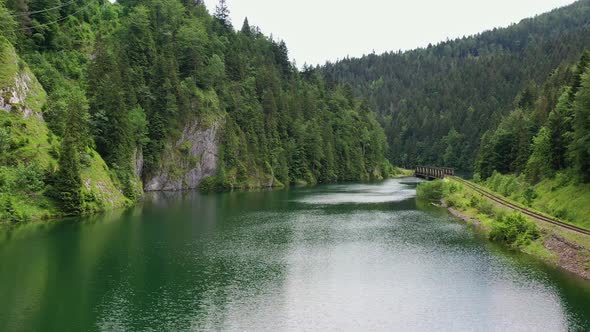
x=569 y=256
x=58 y=216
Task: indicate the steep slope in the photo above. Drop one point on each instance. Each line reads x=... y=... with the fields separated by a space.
x=436 y=103
x=29 y=151
x=539 y=155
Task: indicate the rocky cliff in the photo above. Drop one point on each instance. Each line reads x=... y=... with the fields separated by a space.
x=189 y=159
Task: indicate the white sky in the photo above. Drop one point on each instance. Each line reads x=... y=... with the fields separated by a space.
x=319 y=30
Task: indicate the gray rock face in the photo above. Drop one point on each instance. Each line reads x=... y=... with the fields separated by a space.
x=14 y=97
x=189 y=160
x=138 y=161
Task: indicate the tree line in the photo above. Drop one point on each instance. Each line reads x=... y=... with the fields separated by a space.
x=437 y=102
x=548 y=133
x=126 y=77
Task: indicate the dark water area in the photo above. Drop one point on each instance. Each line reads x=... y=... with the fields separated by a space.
x=351 y=257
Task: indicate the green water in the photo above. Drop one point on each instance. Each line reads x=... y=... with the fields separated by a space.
x=341 y=258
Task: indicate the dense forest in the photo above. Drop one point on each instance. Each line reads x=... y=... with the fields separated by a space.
x=437 y=102
x=510 y=106
x=115 y=96
x=103 y=101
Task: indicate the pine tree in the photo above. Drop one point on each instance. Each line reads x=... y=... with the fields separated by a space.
x=222 y=13
x=114 y=133
x=579 y=70
x=246 y=29
x=455 y=145
x=580 y=146
x=68 y=182
x=539 y=165
x=559 y=126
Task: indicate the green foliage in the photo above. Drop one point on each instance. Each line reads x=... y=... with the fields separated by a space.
x=539 y=165
x=431 y=191
x=222 y=13
x=505 y=185
x=68 y=182
x=8 y=63
x=29 y=179
x=434 y=191
x=454 y=155
x=580 y=145
x=212 y=184
x=507 y=149
x=559 y=126
x=529 y=196
x=133 y=76
x=469 y=84
x=67 y=188
x=514 y=230
x=486 y=207
x=7 y=23
x=561 y=196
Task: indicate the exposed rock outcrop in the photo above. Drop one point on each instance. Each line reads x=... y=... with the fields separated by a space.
x=14 y=97
x=138 y=161
x=193 y=157
x=20 y=92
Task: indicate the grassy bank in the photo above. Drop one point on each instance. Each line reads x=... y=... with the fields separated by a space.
x=561 y=196
x=500 y=224
x=402 y=173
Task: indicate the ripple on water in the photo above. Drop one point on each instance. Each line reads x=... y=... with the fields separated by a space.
x=340 y=261
x=379 y=270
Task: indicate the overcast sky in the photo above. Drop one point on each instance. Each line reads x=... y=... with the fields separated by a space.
x=319 y=30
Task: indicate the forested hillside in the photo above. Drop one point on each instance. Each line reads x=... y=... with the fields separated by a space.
x=539 y=154
x=163 y=95
x=436 y=103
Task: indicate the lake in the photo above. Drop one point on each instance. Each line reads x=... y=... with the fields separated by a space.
x=350 y=257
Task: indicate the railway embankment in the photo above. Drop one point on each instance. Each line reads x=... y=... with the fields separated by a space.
x=502 y=220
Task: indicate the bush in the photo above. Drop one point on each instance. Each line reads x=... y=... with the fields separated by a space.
x=514 y=230
x=434 y=191
x=431 y=191
x=474 y=201
x=9 y=211
x=506 y=185
x=529 y=196
x=456 y=202
x=212 y=184
x=451 y=187
x=29 y=179
x=486 y=207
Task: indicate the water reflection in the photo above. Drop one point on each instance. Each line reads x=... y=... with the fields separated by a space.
x=388 y=191
x=345 y=257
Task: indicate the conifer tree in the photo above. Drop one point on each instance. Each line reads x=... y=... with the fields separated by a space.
x=222 y=13
x=559 y=126
x=68 y=182
x=539 y=165
x=246 y=29
x=580 y=146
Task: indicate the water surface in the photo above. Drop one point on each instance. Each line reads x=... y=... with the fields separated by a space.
x=344 y=258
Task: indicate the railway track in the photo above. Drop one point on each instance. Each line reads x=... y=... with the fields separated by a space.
x=530 y=213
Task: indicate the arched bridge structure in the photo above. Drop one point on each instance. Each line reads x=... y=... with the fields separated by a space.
x=431 y=173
